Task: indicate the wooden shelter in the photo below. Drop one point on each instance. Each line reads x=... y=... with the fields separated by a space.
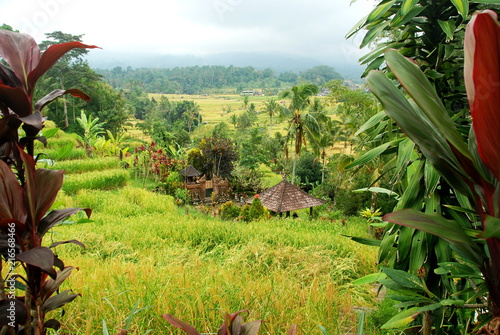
x=200 y=188
x=286 y=197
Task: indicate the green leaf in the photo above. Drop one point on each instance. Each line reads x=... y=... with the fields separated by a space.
x=407 y=6
x=372 y=122
x=448 y=28
x=377 y=190
x=400 y=19
x=439 y=226
x=373 y=33
x=404 y=279
x=463 y=7
x=404 y=318
x=418 y=252
x=371 y=154
x=452 y=302
x=424 y=94
x=369 y=279
x=366 y=241
x=491 y=227
x=379 y=11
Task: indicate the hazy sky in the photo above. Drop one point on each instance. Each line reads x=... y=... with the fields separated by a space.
x=301 y=27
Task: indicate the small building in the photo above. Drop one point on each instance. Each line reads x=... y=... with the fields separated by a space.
x=286 y=197
x=200 y=188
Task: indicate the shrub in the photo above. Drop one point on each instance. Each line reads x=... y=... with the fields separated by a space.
x=254 y=211
x=182 y=196
x=229 y=211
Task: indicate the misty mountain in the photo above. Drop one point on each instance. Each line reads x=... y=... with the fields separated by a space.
x=277 y=62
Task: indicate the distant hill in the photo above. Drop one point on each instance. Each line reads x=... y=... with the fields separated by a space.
x=277 y=62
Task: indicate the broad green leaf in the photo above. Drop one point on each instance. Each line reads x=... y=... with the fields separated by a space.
x=424 y=94
x=405 y=242
x=418 y=252
x=412 y=195
x=462 y=7
x=386 y=246
x=372 y=122
x=369 y=279
x=431 y=177
x=419 y=128
x=407 y=6
x=400 y=20
x=439 y=226
x=404 y=318
x=491 y=227
x=380 y=10
x=373 y=33
x=377 y=190
x=404 y=279
x=371 y=154
x=452 y=302
x=448 y=27
x=366 y=241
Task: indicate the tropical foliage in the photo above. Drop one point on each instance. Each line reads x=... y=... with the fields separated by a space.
x=28 y=193
x=468 y=165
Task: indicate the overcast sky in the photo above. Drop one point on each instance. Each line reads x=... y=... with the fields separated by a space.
x=314 y=28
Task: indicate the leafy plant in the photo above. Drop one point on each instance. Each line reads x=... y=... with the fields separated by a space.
x=92 y=128
x=28 y=193
x=27 y=65
x=24 y=222
x=471 y=168
x=254 y=211
x=229 y=211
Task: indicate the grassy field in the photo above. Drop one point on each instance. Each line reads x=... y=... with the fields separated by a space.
x=145 y=257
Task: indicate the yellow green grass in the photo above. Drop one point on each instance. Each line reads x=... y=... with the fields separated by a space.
x=144 y=252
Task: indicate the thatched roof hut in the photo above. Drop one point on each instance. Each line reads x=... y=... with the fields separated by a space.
x=189 y=171
x=286 y=197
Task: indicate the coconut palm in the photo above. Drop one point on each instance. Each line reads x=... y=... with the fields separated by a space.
x=271 y=108
x=304 y=124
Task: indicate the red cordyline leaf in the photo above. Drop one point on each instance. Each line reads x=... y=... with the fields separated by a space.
x=27 y=64
x=482 y=81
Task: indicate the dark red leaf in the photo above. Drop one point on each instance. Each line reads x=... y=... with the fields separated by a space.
x=50 y=57
x=48 y=184
x=482 y=78
x=182 y=325
x=52 y=285
x=11 y=195
x=58 y=93
x=52 y=323
x=56 y=216
x=59 y=300
x=16 y=99
x=21 y=52
x=13 y=312
x=41 y=257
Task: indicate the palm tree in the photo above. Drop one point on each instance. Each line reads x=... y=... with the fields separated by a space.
x=271 y=107
x=303 y=124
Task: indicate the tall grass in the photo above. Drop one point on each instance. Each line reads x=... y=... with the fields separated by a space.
x=143 y=251
x=96 y=180
x=87 y=165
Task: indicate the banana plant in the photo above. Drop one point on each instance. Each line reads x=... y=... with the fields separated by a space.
x=470 y=165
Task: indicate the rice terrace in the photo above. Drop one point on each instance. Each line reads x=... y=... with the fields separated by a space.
x=203 y=197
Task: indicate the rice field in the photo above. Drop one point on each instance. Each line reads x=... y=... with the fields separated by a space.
x=145 y=257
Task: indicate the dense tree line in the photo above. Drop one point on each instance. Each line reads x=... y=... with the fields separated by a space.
x=203 y=79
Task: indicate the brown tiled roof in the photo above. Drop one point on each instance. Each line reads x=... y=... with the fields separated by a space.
x=284 y=197
x=189 y=171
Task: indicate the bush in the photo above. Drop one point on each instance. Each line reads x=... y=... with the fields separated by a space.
x=254 y=211
x=182 y=196
x=229 y=211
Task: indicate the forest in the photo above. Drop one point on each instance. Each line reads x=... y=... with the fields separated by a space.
x=407 y=166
